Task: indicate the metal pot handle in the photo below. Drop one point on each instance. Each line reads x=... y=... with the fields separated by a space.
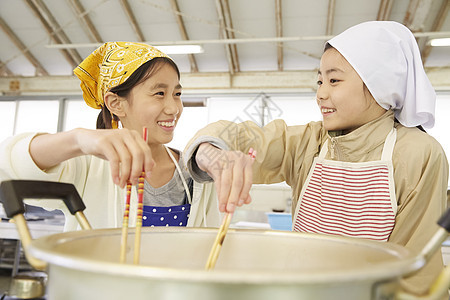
x=12 y=194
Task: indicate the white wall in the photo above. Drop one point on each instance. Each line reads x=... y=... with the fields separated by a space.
x=441 y=129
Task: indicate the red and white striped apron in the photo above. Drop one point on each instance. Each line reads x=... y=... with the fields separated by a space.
x=349 y=199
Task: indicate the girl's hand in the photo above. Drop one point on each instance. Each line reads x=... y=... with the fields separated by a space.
x=232 y=173
x=127 y=152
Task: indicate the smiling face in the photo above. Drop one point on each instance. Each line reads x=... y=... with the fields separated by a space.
x=343 y=99
x=156 y=104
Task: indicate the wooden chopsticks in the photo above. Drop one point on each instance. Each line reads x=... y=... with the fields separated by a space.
x=217 y=246
x=139 y=211
x=126 y=214
x=215 y=250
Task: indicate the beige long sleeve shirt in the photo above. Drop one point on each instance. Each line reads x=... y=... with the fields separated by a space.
x=286 y=153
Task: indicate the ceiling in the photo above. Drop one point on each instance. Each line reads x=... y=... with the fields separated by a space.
x=247 y=43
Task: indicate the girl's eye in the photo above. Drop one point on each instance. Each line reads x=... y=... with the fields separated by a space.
x=178 y=94
x=333 y=80
x=319 y=82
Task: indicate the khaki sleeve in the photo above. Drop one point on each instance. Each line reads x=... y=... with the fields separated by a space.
x=421 y=177
x=281 y=149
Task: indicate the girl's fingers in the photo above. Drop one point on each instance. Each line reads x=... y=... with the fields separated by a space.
x=248 y=180
x=238 y=182
x=218 y=192
x=135 y=150
x=128 y=154
x=232 y=174
x=125 y=164
x=114 y=163
x=226 y=178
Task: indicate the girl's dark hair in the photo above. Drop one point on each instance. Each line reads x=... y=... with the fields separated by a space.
x=327 y=46
x=141 y=74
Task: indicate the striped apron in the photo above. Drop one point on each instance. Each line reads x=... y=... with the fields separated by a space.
x=349 y=199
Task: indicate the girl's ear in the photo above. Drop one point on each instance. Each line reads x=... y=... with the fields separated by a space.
x=115 y=104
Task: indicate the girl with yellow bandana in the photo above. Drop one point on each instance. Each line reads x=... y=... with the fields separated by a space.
x=135 y=86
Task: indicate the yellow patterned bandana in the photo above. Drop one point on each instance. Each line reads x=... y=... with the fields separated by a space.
x=109 y=66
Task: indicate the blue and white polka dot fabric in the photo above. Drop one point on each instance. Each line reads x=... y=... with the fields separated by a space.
x=166 y=216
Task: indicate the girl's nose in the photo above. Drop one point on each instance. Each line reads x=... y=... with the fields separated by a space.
x=172 y=107
x=322 y=93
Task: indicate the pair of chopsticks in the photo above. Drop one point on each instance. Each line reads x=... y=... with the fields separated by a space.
x=217 y=246
x=126 y=215
x=215 y=250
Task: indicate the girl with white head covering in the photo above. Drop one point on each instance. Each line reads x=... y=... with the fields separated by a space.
x=366 y=170
x=387 y=58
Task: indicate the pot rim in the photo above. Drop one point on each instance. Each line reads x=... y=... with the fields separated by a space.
x=44 y=249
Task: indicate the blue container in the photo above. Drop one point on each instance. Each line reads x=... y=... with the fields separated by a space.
x=280 y=221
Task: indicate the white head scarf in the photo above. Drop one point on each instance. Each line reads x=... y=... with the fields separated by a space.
x=386 y=56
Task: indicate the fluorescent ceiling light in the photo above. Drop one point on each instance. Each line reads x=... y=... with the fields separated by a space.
x=167 y=49
x=181 y=49
x=440 y=42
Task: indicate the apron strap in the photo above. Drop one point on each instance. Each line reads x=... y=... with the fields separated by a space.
x=186 y=188
x=324 y=150
x=389 y=144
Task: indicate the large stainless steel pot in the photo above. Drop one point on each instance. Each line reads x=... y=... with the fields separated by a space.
x=253 y=264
